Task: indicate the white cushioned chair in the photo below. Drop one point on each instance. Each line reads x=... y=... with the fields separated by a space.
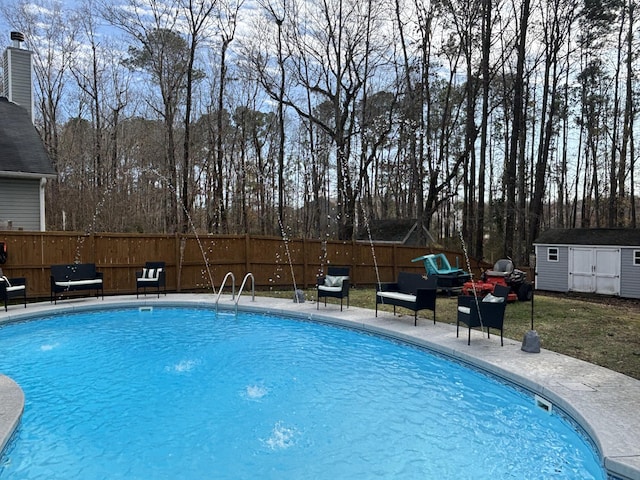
x=334 y=285
x=487 y=312
x=151 y=276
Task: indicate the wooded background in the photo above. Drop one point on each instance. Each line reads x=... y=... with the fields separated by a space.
x=486 y=119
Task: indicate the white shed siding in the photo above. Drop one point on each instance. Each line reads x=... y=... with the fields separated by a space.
x=552 y=276
x=629 y=274
x=20 y=203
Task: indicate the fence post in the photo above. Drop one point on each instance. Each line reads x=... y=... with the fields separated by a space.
x=394 y=251
x=92 y=247
x=352 y=262
x=178 y=261
x=247 y=263
x=304 y=263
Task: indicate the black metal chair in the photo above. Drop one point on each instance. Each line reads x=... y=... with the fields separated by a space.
x=487 y=312
x=12 y=288
x=334 y=285
x=152 y=275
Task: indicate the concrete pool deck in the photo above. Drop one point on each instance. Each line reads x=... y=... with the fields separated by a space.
x=603 y=402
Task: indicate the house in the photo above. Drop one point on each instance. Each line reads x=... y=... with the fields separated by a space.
x=24 y=168
x=24 y=162
x=590 y=260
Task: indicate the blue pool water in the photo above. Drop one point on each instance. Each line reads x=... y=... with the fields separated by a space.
x=185 y=393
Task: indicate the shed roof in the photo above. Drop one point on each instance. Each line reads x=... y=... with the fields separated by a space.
x=389 y=230
x=22 y=153
x=590 y=236
x=402 y=231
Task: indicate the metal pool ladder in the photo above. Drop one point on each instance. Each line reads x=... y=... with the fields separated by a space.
x=253 y=289
x=233 y=288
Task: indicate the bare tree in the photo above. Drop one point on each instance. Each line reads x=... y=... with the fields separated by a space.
x=517 y=129
x=331 y=57
x=629 y=115
x=394 y=103
x=558 y=17
x=198 y=15
x=277 y=12
x=162 y=52
x=227 y=14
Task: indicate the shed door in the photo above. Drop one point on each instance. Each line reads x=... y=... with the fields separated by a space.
x=594 y=270
x=607 y=271
x=581 y=271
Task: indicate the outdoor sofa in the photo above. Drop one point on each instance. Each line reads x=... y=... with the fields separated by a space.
x=12 y=288
x=74 y=277
x=412 y=291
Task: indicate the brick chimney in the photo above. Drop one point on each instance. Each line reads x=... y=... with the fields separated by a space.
x=18 y=73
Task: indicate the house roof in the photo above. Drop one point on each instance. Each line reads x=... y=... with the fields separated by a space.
x=22 y=153
x=590 y=236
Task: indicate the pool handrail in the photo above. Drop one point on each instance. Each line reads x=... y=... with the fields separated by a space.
x=253 y=289
x=224 y=282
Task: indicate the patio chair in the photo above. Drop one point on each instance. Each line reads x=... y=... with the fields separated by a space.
x=334 y=285
x=12 y=288
x=487 y=312
x=152 y=275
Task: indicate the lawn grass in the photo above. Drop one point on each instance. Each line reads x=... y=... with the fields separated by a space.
x=597 y=332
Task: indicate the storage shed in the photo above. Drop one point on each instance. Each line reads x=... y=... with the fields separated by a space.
x=591 y=260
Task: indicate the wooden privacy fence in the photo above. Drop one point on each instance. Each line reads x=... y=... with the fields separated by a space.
x=196 y=263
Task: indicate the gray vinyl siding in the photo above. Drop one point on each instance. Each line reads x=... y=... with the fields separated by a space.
x=629 y=274
x=552 y=276
x=5 y=73
x=20 y=204
x=18 y=79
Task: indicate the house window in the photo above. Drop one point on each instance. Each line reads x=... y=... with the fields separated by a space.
x=636 y=258
x=552 y=254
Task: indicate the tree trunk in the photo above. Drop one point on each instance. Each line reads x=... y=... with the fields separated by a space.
x=512 y=159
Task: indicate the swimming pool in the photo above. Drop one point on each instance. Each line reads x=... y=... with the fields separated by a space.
x=186 y=393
